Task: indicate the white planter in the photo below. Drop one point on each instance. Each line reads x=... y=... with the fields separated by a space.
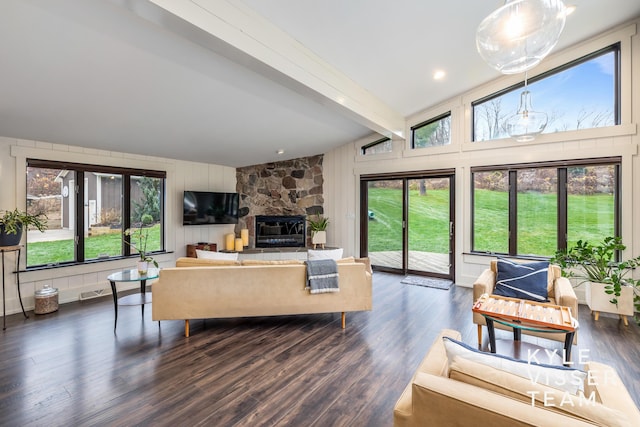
x=143 y=267
x=319 y=238
x=598 y=301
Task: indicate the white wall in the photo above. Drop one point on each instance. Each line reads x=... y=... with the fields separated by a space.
x=343 y=166
x=73 y=280
x=342 y=169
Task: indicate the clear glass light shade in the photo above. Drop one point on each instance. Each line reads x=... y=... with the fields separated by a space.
x=526 y=124
x=518 y=35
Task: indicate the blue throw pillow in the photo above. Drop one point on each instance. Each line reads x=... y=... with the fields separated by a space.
x=524 y=281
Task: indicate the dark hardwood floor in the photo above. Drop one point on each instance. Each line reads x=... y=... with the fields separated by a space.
x=68 y=368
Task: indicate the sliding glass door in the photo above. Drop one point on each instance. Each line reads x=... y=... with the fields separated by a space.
x=407 y=223
x=430 y=225
x=385 y=223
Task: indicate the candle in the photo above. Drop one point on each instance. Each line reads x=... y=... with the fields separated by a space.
x=238 y=245
x=244 y=235
x=228 y=238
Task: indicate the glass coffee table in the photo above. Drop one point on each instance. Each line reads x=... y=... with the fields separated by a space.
x=141 y=298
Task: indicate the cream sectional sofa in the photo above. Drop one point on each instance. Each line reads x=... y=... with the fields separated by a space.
x=461 y=392
x=201 y=289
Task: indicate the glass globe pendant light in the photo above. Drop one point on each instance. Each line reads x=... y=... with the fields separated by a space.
x=526 y=124
x=518 y=35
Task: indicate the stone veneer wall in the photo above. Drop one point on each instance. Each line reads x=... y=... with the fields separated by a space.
x=289 y=187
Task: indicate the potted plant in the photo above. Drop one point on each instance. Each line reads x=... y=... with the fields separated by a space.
x=138 y=240
x=13 y=223
x=318 y=227
x=609 y=287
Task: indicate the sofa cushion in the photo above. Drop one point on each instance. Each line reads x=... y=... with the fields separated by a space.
x=526 y=281
x=334 y=254
x=559 y=377
x=272 y=262
x=216 y=255
x=534 y=393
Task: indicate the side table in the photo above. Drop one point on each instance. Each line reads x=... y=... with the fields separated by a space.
x=4 y=249
x=140 y=299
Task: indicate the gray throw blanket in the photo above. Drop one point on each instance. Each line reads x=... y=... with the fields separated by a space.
x=322 y=276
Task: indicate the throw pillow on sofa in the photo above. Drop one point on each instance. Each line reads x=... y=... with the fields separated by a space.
x=524 y=281
x=334 y=254
x=559 y=377
x=216 y=255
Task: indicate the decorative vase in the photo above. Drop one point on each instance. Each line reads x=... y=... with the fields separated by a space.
x=143 y=267
x=319 y=238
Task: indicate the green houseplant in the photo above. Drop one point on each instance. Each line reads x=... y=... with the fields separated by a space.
x=138 y=238
x=318 y=227
x=596 y=265
x=12 y=224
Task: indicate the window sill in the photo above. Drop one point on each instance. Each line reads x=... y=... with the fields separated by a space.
x=92 y=263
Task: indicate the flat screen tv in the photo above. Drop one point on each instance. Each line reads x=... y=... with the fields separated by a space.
x=207 y=207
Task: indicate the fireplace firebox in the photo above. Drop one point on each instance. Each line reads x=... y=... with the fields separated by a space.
x=280 y=231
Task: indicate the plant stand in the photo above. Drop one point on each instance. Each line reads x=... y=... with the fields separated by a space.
x=4 y=249
x=598 y=301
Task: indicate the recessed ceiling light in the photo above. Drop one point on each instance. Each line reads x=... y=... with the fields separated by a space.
x=439 y=75
x=280 y=151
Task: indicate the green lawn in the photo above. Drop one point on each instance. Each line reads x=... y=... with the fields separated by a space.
x=590 y=219
x=428 y=220
x=39 y=253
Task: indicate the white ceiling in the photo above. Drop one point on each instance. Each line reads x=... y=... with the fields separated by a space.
x=232 y=89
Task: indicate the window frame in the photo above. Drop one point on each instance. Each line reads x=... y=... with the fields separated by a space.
x=80 y=169
x=616 y=48
x=562 y=194
x=437 y=118
x=365 y=147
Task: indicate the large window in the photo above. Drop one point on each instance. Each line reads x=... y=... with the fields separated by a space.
x=534 y=210
x=580 y=95
x=87 y=209
x=432 y=133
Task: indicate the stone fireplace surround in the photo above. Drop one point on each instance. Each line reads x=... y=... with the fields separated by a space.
x=285 y=188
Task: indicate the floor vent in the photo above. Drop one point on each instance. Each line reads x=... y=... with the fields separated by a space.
x=94 y=294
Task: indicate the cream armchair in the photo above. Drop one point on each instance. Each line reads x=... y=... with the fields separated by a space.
x=442 y=394
x=560 y=293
